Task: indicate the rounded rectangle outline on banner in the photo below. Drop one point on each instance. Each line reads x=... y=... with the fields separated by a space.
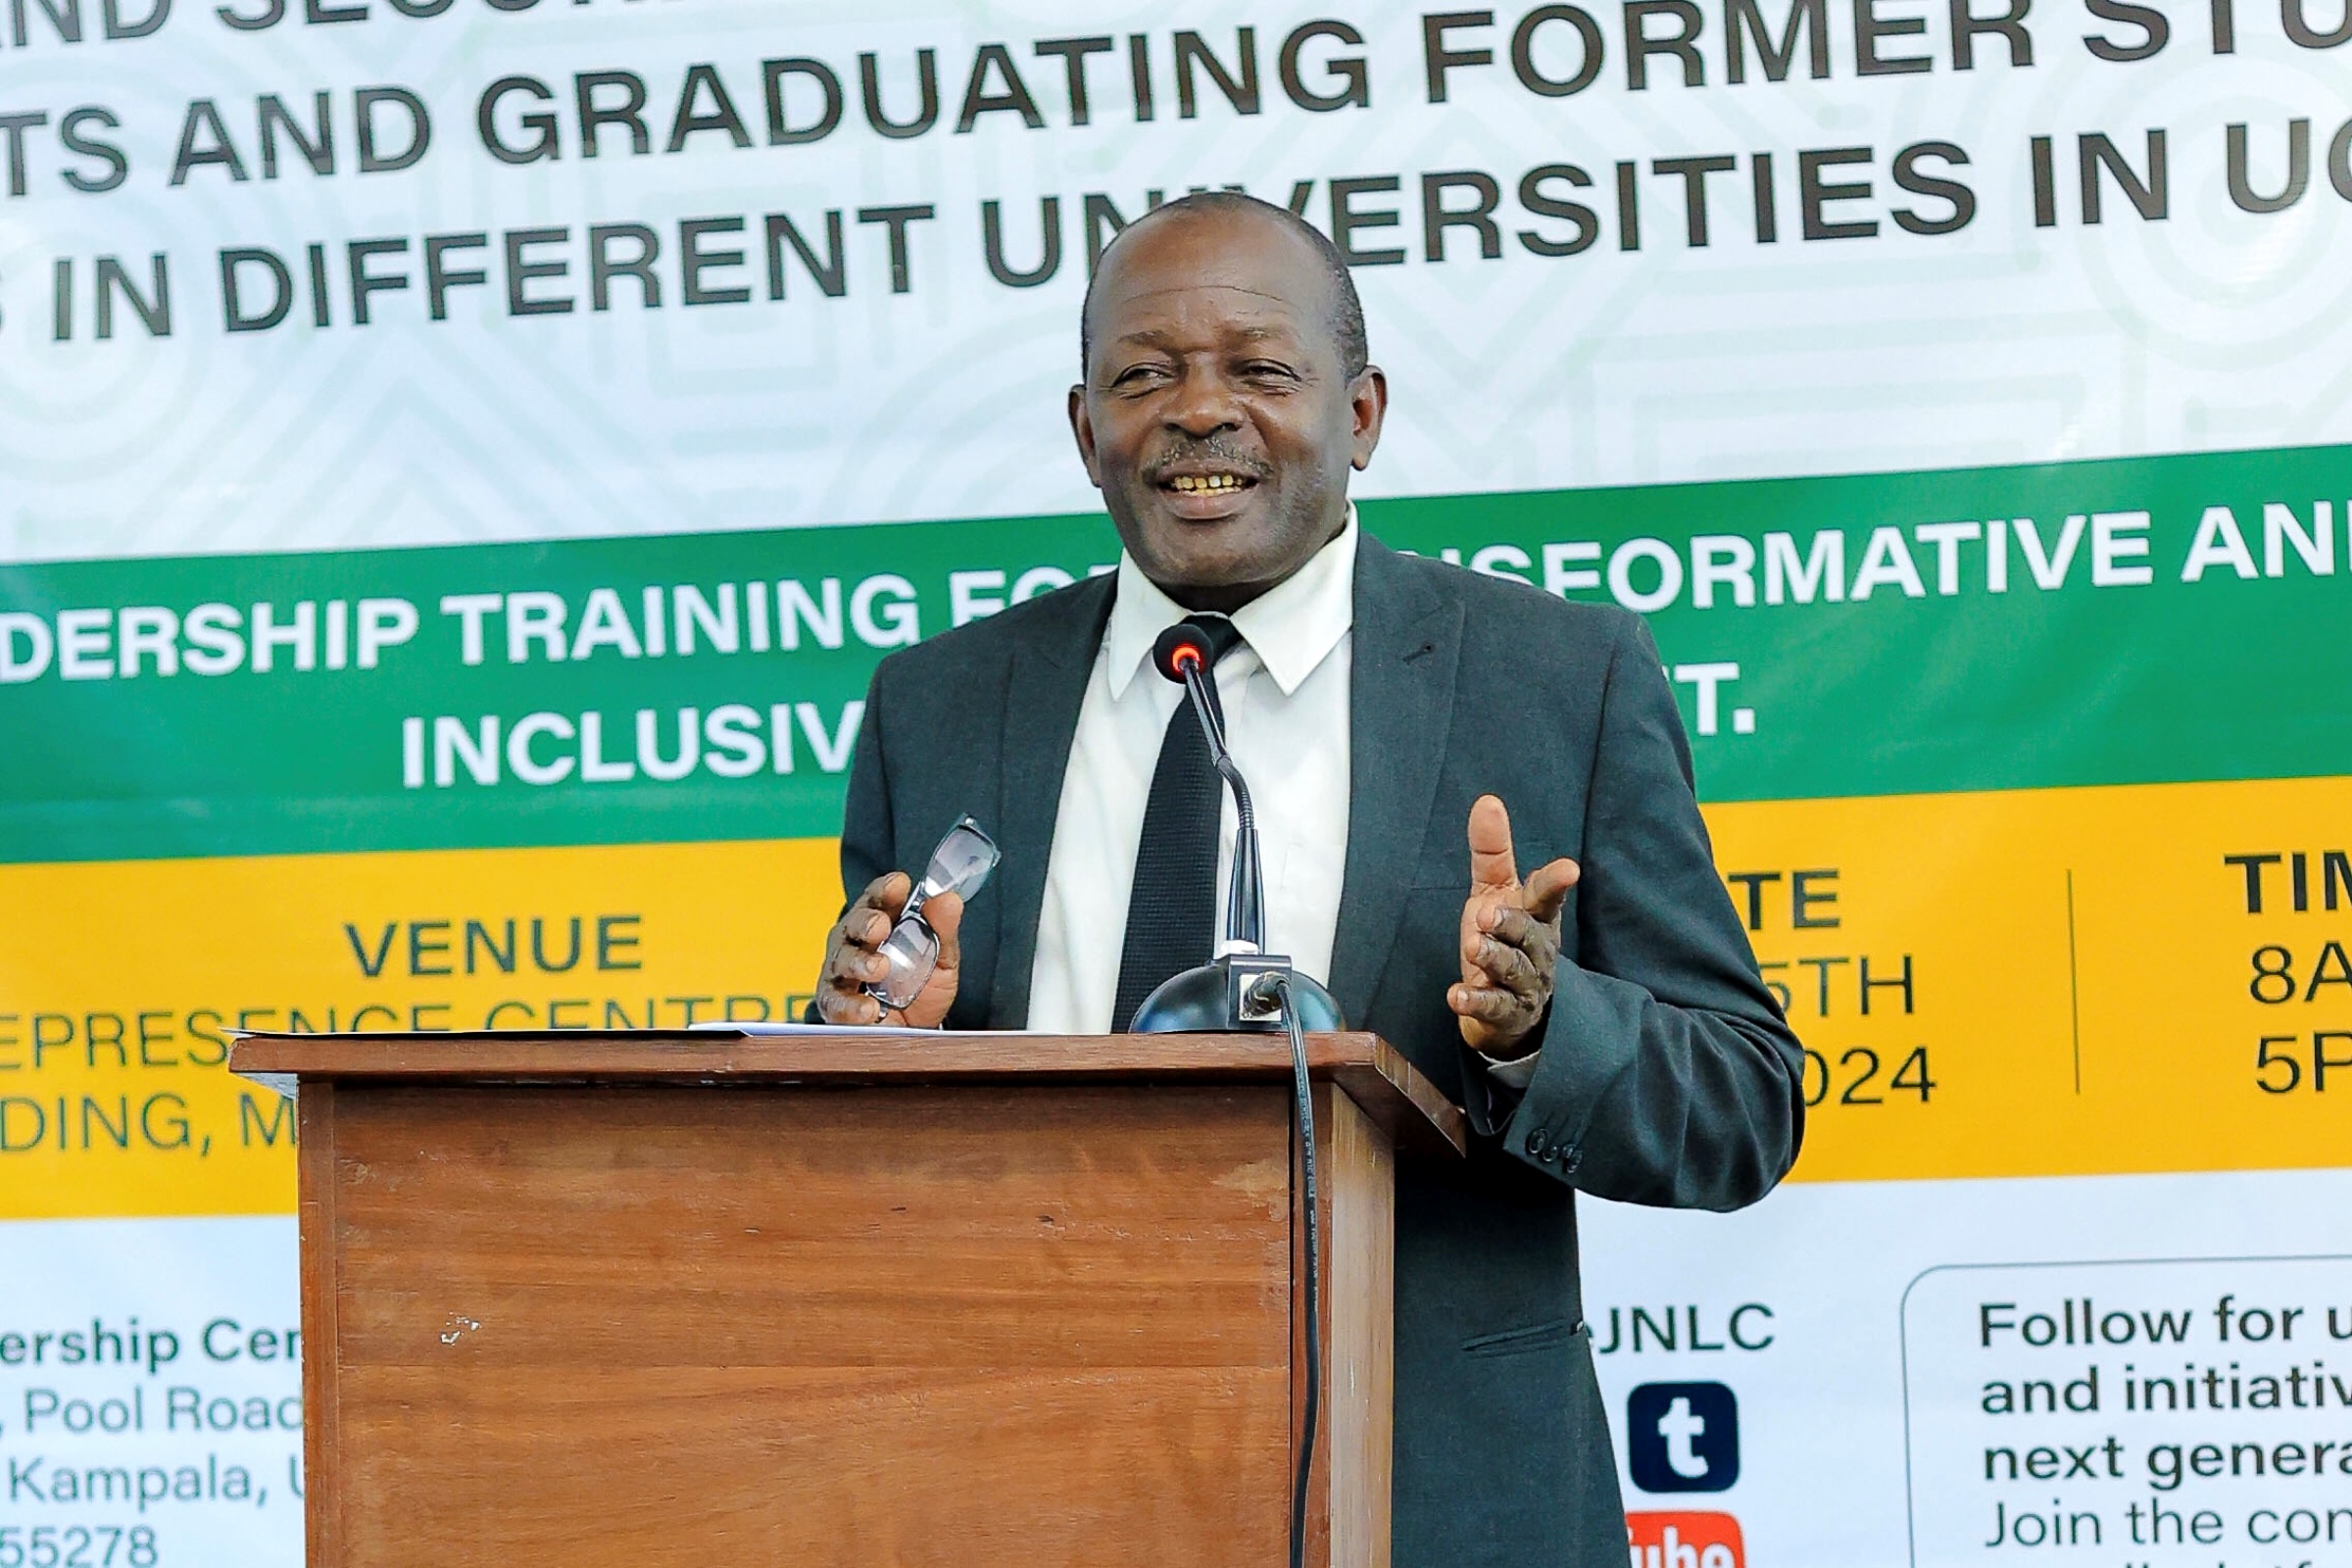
x=1903 y=1334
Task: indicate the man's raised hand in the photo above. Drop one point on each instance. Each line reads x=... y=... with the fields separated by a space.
x=853 y=957
x=1510 y=939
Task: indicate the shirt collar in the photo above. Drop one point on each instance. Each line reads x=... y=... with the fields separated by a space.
x=1291 y=627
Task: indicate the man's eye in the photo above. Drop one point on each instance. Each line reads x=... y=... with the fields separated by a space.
x=1269 y=371
x=1138 y=376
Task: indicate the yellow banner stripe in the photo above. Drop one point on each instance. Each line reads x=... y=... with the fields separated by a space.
x=118 y=978
x=2082 y=967
x=2024 y=983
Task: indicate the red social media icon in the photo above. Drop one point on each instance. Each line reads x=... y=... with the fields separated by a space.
x=1685 y=1540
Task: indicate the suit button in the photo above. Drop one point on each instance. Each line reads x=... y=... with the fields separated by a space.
x=1573 y=1157
x=1537 y=1148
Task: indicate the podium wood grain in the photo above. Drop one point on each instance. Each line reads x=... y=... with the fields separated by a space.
x=563 y=1306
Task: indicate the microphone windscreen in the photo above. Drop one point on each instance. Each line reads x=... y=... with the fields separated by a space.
x=1170 y=650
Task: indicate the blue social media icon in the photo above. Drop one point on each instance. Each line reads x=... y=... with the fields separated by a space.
x=1682 y=1436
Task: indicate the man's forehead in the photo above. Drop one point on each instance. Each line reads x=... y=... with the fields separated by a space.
x=1264 y=309
x=1249 y=253
x=1212 y=275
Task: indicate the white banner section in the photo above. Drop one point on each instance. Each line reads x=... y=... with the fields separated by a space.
x=150 y=1395
x=2096 y=1370
x=2102 y=1370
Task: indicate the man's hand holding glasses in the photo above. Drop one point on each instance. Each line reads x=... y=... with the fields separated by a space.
x=893 y=959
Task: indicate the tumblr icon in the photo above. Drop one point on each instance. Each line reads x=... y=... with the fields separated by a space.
x=1682 y=1436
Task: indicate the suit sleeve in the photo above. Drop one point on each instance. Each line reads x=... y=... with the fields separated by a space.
x=1668 y=1074
x=867 y=846
x=867 y=849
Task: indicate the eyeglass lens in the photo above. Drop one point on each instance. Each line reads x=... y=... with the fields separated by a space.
x=911 y=951
x=961 y=862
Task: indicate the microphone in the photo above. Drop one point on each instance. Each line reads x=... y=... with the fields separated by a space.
x=1181 y=655
x=1244 y=988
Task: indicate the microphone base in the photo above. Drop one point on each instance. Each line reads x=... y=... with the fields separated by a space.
x=1217 y=998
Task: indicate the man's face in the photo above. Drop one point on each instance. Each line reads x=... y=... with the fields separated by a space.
x=1216 y=417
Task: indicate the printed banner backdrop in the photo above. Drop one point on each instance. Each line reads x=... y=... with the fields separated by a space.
x=461 y=460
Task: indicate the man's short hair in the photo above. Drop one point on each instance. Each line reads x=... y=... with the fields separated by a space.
x=1346 y=307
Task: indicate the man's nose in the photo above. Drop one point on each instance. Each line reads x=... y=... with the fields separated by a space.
x=1203 y=404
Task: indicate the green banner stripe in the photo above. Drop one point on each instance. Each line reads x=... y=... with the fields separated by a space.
x=1993 y=628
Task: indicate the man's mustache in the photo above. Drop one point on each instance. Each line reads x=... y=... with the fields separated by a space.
x=1217 y=450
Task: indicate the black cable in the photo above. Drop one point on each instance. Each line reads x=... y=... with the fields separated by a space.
x=1314 y=1270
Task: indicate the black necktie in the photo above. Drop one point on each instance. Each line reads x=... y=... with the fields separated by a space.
x=1172 y=909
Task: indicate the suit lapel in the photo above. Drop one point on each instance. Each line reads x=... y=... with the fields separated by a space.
x=1045 y=684
x=1408 y=639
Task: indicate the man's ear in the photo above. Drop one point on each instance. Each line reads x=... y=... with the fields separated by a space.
x=1083 y=427
x=1368 y=404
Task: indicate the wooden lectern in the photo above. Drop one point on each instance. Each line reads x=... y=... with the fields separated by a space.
x=700 y=1297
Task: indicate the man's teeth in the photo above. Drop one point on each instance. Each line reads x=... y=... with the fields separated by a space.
x=1204 y=484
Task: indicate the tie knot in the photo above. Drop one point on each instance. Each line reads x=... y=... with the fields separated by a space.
x=1221 y=635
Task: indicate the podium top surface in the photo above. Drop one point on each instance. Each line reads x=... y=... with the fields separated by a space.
x=1390 y=1089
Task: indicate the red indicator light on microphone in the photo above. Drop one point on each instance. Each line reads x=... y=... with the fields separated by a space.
x=1180 y=650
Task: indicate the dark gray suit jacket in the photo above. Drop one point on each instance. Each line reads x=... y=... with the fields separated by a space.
x=1667 y=1075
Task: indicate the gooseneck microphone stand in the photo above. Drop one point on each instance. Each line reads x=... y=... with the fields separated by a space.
x=1247 y=989
x=1233 y=991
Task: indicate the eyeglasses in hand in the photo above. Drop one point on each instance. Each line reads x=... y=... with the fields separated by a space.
x=960 y=865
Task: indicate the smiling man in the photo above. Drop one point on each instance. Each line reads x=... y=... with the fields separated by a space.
x=1412 y=732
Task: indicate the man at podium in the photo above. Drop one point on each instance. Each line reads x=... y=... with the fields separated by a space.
x=1415 y=735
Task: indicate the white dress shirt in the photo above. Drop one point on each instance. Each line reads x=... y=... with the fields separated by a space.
x=1285 y=692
